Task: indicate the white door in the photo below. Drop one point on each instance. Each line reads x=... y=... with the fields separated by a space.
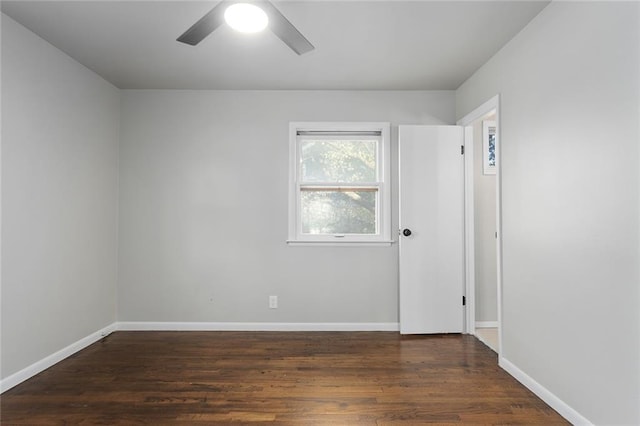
x=431 y=229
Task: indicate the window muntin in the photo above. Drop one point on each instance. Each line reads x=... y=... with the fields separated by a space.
x=339 y=182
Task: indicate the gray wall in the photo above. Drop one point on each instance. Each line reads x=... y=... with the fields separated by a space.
x=484 y=193
x=569 y=121
x=60 y=125
x=203 y=208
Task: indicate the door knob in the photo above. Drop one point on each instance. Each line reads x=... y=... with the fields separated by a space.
x=406 y=232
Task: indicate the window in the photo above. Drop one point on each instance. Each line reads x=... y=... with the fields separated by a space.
x=339 y=183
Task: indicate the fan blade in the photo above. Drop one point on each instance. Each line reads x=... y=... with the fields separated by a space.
x=205 y=26
x=285 y=30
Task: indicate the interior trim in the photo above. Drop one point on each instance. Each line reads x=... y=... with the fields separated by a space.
x=46 y=362
x=547 y=396
x=257 y=326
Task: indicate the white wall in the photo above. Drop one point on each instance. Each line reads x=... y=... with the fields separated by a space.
x=569 y=121
x=59 y=199
x=484 y=194
x=203 y=208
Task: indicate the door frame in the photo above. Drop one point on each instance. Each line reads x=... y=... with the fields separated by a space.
x=469 y=214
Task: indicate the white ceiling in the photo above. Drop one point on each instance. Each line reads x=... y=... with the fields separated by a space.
x=368 y=45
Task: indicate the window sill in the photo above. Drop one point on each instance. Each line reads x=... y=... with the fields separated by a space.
x=340 y=243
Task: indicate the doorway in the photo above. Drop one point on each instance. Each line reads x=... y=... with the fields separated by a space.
x=482 y=224
x=485 y=232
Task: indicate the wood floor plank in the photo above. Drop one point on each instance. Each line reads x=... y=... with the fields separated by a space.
x=290 y=378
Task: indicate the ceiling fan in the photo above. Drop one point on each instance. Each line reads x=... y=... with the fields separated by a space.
x=277 y=23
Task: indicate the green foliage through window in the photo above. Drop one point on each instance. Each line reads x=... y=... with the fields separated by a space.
x=327 y=206
x=338 y=160
x=339 y=212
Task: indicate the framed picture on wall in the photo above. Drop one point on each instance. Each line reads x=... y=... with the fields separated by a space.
x=489 y=147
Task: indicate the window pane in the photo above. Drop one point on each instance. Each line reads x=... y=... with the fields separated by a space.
x=339 y=212
x=338 y=160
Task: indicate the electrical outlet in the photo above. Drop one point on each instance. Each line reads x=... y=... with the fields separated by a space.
x=273 y=302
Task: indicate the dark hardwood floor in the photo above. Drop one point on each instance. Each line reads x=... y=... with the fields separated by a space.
x=295 y=378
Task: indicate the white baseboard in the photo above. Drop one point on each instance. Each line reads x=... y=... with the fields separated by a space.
x=486 y=324
x=547 y=396
x=257 y=326
x=39 y=366
x=43 y=364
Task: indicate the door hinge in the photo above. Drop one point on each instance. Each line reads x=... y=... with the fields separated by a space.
x=462 y=149
x=464 y=301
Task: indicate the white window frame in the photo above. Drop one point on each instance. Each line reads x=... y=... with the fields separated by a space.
x=383 y=236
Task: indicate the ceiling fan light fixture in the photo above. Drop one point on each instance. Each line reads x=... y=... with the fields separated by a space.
x=246 y=18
